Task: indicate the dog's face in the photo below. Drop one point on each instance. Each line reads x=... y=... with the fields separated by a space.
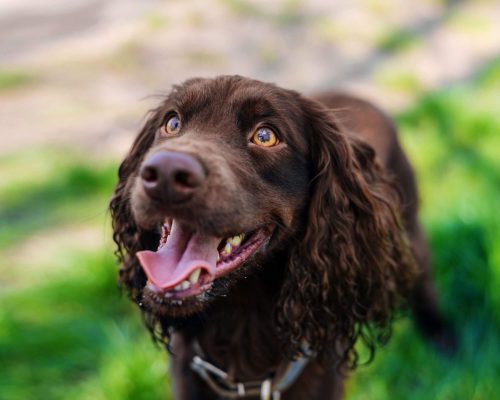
x=222 y=182
x=229 y=174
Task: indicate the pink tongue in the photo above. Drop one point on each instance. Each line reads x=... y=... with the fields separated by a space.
x=184 y=252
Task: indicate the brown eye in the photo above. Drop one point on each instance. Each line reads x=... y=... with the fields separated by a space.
x=173 y=125
x=264 y=137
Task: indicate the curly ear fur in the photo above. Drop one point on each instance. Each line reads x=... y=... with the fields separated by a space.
x=354 y=264
x=127 y=236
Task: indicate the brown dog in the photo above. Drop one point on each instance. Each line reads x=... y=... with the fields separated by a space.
x=263 y=232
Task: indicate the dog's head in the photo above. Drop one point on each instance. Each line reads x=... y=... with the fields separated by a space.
x=228 y=171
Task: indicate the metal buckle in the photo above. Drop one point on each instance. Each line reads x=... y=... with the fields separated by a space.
x=241 y=389
x=265 y=390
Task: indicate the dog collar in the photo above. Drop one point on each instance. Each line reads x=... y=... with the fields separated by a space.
x=268 y=389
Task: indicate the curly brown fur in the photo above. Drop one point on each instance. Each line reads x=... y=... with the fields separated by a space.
x=356 y=242
x=345 y=247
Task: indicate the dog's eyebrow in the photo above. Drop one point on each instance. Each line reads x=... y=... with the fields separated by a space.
x=252 y=110
x=192 y=102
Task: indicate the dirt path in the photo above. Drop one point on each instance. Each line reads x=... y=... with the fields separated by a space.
x=85 y=69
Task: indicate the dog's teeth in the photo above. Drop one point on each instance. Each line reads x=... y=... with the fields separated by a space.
x=193 y=278
x=182 y=286
x=235 y=241
x=228 y=248
x=218 y=257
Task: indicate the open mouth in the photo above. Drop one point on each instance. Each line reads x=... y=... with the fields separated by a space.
x=187 y=262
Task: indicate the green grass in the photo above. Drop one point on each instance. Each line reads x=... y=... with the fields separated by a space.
x=67 y=333
x=396 y=41
x=53 y=192
x=14 y=79
x=242 y=8
x=289 y=13
x=399 y=81
x=73 y=336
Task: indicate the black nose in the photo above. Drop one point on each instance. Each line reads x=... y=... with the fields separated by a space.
x=171 y=177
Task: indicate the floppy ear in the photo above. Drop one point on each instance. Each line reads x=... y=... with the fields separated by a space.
x=127 y=236
x=354 y=264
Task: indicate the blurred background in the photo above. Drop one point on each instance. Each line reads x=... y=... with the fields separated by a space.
x=76 y=79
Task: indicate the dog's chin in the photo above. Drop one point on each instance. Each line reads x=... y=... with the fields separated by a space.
x=155 y=303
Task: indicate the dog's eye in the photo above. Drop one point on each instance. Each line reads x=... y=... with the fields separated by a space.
x=264 y=137
x=173 y=125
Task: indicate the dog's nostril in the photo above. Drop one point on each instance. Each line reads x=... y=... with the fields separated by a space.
x=149 y=174
x=186 y=178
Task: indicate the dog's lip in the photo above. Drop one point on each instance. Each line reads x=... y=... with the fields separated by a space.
x=254 y=241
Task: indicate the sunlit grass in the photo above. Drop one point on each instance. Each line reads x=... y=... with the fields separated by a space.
x=63 y=189
x=65 y=329
x=399 y=81
x=15 y=79
x=73 y=336
x=395 y=41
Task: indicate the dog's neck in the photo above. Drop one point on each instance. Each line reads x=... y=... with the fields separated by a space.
x=237 y=333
